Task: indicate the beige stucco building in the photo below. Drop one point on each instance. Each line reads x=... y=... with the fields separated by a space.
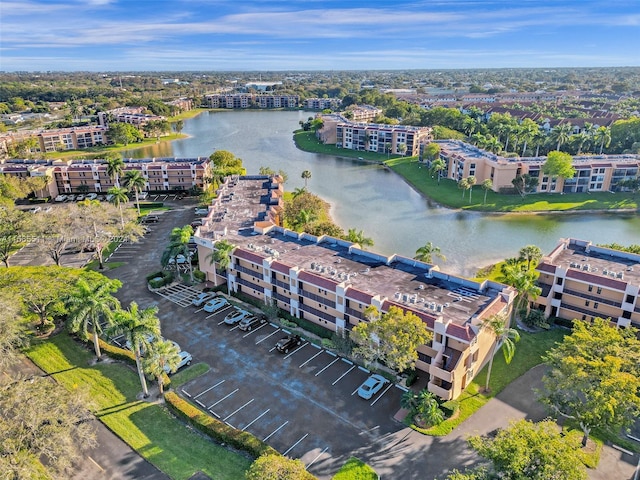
x=330 y=281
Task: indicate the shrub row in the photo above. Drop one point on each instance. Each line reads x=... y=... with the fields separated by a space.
x=199 y=275
x=116 y=353
x=151 y=204
x=160 y=279
x=216 y=429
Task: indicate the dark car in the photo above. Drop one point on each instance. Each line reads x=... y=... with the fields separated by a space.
x=150 y=219
x=248 y=323
x=287 y=343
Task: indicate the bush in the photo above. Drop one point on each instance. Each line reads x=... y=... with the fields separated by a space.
x=216 y=429
x=160 y=279
x=328 y=344
x=412 y=377
x=199 y=275
x=156 y=282
x=151 y=204
x=116 y=353
x=536 y=319
x=154 y=275
x=563 y=322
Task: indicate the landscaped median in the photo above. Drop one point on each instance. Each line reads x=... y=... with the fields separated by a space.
x=147 y=427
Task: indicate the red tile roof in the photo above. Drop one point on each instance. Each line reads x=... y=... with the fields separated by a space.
x=545 y=267
x=358 y=295
x=597 y=279
x=251 y=257
x=280 y=267
x=461 y=332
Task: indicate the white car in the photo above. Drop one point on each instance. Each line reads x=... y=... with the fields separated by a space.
x=235 y=317
x=215 y=304
x=185 y=359
x=202 y=298
x=202 y=211
x=79 y=198
x=371 y=386
x=60 y=198
x=35 y=209
x=92 y=196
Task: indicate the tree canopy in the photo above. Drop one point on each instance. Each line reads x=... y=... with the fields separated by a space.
x=277 y=467
x=594 y=377
x=559 y=165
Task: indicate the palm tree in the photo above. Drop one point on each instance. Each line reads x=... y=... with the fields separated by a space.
x=87 y=303
x=179 y=245
x=115 y=166
x=134 y=180
x=471 y=181
x=221 y=254
x=528 y=129
x=486 y=186
x=306 y=175
x=119 y=197
x=437 y=167
x=298 y=191
x=162 y=353
x=305 y=217
x=493 y=144
x=178 y=126
x=524 y=281
x=505 y=337
x=140 y=328
x=603 y=137
x=427 y=252
x=355 y=236
x=463 y=185
x=428 y=408
x=561 y=134
x=530 y=254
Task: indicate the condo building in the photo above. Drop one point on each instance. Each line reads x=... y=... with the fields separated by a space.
x=580 y=280
x=594 y=173
x=58 y=139
x=330 y=281
x=249 y=100
x=73 y=176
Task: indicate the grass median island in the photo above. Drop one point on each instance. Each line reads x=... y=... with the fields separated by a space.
x=147 y=427
x=355 y=469
x=448 y=194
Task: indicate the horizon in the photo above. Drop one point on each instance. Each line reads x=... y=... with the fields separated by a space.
x=316 y=35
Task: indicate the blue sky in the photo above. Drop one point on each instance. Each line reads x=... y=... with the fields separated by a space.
x=135 y=35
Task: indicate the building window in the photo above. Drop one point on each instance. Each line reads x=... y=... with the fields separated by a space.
x=559 y=281
x=595 y=305
x=599 y=291
x=586 y=303
x=591 y=288
x=629 y=299
x=626 y=314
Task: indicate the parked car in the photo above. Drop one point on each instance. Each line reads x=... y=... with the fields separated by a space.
x=371 y=386
x=71 y=198
x=202 y=211
x=92 y=196
x=143 y=195
x=246 y=324
x=185 y=359
x=79 y=198
x=215 y=304
x=235 y=317
x=202 y=298
x=60 y=198
x=287 y=343
x=34 y=209
x=109 y=197
x=150 y=219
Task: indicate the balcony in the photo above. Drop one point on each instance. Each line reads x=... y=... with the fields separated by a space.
x=441 y=374
x=441 y=391
x=595 y=298
x=242 y=281
x=318 y=313
x=318 y=298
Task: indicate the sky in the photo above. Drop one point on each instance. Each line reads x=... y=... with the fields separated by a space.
x=274 y=35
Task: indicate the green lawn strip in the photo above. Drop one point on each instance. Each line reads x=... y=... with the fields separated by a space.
x=189 y=374
x=355 y=469
x=447 y=193
x=148 y=428
x=529 y=351
x=94 y=264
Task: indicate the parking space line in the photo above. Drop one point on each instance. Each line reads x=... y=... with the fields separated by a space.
x=347 y=361
x=343 y=375
x=297 y=349
x=331 y=353
x=209 y=389
x=404 y=389
x=334 y=361
x=314 y=460
x=317 y=346
x=294 y=445
x=254 y=330
x=308 y=360
x=199 y=310
x=274 y=432
x=185 y=392
x=380 y=396
x=256 y=419
x=222 y=399
x=271 y=334
x=237 y=410
x=364 y=369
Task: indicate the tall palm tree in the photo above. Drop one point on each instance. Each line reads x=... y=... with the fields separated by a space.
x=505 y=337
x=357 y=236
x=471 y=181
x=134 y=180
x=87 y=303
x=530 y=254
x=524 y=281
x=115 y=166
x=306 y=175
x=179 y=245
x=305 y=217
x=602 y=136
x=561 y=134
x=162 y=353
x=119 y=197
x=528 y=129
x=178 y=126
x=140 y=328
x=437 y=167
x=463 y=185
x=486 y=186
x=427 y=252
x=493 y=144
x=221 y=254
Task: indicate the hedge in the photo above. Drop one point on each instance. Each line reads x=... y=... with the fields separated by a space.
x=159 y=279
x=216 y=429
x=116 y=353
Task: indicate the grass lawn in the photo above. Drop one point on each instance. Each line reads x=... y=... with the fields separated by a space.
x=355 y=469
x=146 y=427
x=529 y=351
x=447 y=193
x=188 y=374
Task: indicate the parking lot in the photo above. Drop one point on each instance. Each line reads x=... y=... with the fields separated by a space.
x=296 y=402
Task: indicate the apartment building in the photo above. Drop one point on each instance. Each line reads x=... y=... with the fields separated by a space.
x=72 y=176
x=330 y=282
x=322 y=103
x=580 y=280
x=594 y=173
x=131 y=115
x=57 y=139
x=381 y=138
x=248 y=100
x=362 y=113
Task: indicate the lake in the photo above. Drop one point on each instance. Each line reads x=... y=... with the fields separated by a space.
x=370 y=198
